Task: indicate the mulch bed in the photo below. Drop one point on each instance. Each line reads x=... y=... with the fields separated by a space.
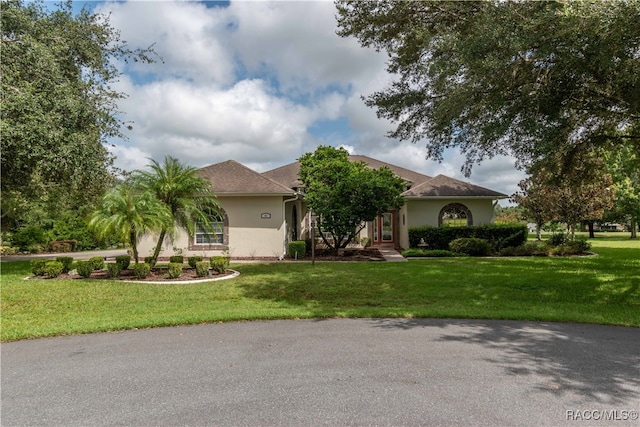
x=155 y=275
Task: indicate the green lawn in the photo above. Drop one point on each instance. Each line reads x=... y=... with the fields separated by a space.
x=603 y=289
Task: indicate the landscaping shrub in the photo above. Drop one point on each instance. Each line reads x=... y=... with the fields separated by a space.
x=37 y=267
x=29 y=237
x=35 y=248
x=149 y=260
x=557 y=239
x=499 y=235
x=194 y=259
x=471 y=246
x=84 y=268
x=63 y=245
x=97 y=262
x=528 y=249
x=297 y=249
x=67 y=263
x=124 y=261
x=114 y=269
x=8 y=250
x=53 y=268
x=202 y=268
x=175 y=269
x=219 y=264
x=141 y=270
x=575 y=247
x=427 y=253
x=176 y=259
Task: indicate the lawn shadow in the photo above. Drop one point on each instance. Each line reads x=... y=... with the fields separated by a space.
x=601 y=363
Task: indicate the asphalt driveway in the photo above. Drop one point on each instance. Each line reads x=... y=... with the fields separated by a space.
x=329 y=372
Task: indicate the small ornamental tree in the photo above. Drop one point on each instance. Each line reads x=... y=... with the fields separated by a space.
x=345 y=194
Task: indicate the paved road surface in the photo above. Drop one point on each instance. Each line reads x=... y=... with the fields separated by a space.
x=329 y=372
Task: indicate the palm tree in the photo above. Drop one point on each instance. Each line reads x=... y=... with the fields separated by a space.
x=188 y=197
x=129 y=214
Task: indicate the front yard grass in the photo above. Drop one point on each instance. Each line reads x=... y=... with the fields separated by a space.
x=603 y=289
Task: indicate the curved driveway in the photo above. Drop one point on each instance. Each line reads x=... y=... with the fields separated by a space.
x=329 y=372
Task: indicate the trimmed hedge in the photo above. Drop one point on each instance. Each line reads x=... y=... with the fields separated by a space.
x=63 y=245
x=97 y=262
x=202 y=268
x=84 y=268
x=53 y=269
x=141 y=270
x=219 y=264
x=114 y=269
x=297 y=249
x=471 y=246
x=427 y=253
x=176 y=259
x=498 y=235
x=193 y=260
x=124 y=261
x=67 y=263
x=174 y=270
x=37 y=266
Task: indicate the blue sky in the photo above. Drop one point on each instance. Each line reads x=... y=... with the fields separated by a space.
x=260 y=82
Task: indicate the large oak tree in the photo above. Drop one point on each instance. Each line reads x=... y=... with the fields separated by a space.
x=523 y=78
x=58 y=107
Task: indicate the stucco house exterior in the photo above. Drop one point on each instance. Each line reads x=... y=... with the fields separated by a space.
x=263 y=212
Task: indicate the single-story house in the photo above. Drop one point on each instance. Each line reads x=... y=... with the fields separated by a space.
x=263 y=212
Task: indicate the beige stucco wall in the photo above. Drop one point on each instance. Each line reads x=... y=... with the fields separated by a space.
x=425 y=212
x=249 y=235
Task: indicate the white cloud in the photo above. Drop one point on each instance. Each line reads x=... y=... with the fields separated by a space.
x=250 y=81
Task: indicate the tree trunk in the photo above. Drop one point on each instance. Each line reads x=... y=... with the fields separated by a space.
x=158 y=248
x=134 y=245
x=634 y=228
x=591 y=232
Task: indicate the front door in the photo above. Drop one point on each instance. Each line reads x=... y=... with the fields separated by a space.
x=383 y=229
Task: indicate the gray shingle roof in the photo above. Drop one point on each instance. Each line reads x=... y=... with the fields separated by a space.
x=444 y=186
x=231 y=177
x=288 y=174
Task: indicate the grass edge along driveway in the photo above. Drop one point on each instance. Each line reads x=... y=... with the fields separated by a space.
x=603 y=289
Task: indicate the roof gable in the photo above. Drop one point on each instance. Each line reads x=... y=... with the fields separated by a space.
x=289 y=174
x=444 y=186
x=231 y=177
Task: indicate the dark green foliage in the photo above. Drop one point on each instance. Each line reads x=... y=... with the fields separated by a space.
x=346 y=194
x=37 y=266
x=59 y=106
x=202 y=268
x=67 y=263
x=572 y=247
x=97 y=262
x=297 y=249
x=150 y=260
x=176 y=259
x=193 y=260
x=471 y=246
x=124 y=261
x=114 y=269
x=53 y=269
x=25 y=237
x=499 y=235
x=427 y=253
x=174 y=270
x=538 y=80
x=535 y=248
x=219 y=264
x=141 y=270
x=84 y=268
x=557 y=239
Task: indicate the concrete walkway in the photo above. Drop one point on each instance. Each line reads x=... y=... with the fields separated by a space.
x=391 y=255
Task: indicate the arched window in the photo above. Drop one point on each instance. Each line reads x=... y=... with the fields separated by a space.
x=455 y=215
x=214 y=236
